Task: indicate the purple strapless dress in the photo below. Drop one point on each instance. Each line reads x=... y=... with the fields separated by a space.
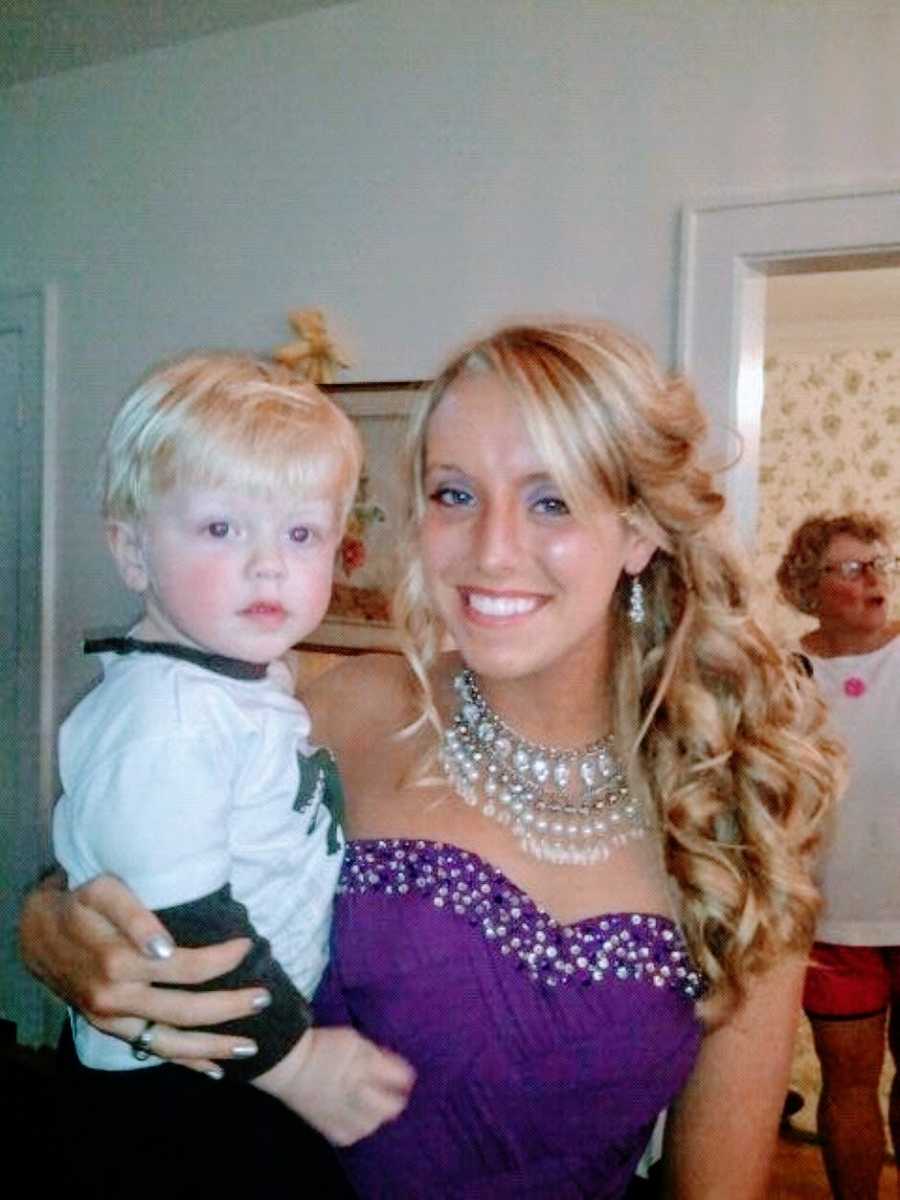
x=544 y=1052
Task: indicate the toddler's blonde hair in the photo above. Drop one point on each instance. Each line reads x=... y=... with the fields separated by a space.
x=218 y=419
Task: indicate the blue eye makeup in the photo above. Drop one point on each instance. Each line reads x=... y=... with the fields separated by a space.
x=449 y=496
x=551 y=506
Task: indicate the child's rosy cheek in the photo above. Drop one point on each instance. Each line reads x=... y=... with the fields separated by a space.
x=206 y=579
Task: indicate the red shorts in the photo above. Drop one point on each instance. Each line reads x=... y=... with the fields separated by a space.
x=845 y=982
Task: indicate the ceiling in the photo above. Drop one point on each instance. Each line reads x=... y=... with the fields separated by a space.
x=43 y=37
x=864 y=295
x=834 y=310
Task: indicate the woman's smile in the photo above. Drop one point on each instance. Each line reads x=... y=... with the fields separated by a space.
x=493 y=607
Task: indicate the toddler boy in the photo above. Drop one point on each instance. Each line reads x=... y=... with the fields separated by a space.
x=189 y=770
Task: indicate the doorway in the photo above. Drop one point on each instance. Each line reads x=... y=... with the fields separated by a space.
x=23 y=826
x=729 y=251
x=733 y=255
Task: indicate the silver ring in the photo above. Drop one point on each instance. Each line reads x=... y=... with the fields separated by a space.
x=140 y=1046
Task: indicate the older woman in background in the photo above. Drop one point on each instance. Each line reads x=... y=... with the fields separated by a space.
x=840 y=571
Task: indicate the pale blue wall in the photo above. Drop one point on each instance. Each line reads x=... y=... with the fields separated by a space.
x=417 y=168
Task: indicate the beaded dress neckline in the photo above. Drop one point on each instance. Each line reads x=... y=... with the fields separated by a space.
x=637 y=946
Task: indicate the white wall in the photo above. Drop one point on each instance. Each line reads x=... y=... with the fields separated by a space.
x=417 y=168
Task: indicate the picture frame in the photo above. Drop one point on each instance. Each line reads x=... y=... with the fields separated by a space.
x=358 y=618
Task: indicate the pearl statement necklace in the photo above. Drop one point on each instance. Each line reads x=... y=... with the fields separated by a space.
x=526 y=785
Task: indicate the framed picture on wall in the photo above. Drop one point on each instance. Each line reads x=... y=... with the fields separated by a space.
x=359 y=618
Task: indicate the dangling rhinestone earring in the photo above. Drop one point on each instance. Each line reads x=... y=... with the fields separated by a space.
x=637 y=611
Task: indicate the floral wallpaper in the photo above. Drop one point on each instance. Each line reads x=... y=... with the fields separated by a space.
x=830 y=440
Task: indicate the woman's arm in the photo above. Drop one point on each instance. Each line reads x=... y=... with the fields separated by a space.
x=100 y=950
x=721 y=1133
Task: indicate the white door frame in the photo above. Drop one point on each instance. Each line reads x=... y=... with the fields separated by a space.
x=728 y=247
x=32 y=316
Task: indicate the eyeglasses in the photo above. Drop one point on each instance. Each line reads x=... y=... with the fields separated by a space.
x=855 y=568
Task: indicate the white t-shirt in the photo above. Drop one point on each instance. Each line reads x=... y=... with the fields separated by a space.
x=180 y=779
x=860 y=874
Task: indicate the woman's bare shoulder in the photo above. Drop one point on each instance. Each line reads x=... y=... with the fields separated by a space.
x=363 y=691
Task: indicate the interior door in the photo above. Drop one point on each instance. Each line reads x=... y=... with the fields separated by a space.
x=22 y=827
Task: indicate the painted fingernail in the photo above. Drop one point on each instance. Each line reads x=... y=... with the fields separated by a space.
x=244 y=1051
x=260 y=1001
x=159 y=946
x=215 y=1073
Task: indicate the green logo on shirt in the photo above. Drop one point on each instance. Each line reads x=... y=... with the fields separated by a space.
x=320 y=786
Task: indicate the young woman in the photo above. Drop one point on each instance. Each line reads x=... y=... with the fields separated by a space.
x=577 y=887
x=840 y=570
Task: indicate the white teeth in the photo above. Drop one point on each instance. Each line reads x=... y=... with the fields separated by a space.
x=501 y=606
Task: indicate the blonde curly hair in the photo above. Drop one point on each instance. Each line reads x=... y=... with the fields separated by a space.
x=719 y=727
x=800 y=569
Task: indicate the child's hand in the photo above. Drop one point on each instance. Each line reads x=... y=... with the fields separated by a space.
x=341 y=1083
